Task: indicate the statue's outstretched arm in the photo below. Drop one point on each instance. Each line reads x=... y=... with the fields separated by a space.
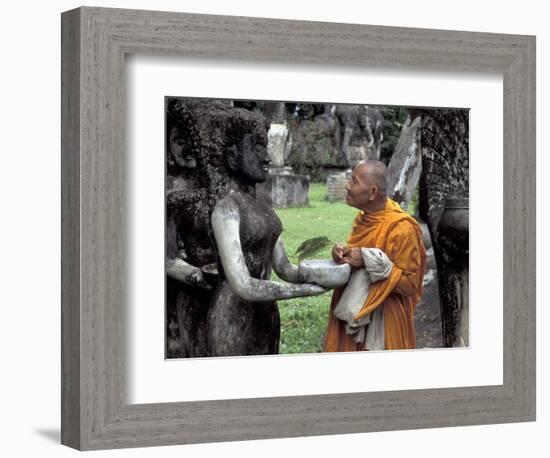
x=225 y=225
x=281 y=264
x=182 y=271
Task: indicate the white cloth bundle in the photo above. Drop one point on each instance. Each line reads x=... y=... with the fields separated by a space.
x=370 y=328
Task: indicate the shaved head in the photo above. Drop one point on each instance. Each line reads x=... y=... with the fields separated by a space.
x=374 y=173
x=368 y=186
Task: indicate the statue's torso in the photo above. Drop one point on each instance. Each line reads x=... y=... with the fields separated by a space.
x=260 y=227
x=237 y=326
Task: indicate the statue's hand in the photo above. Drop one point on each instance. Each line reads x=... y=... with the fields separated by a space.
x=311 y=289
x=197 y=280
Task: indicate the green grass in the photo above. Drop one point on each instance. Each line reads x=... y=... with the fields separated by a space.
x=304 y=320
x=321 y=218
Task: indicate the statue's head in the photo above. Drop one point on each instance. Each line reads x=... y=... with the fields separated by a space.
x=179 y=153
x=176 y=149
x=246 y=154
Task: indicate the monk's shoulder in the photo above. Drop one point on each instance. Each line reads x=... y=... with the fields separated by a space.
x=404 y=243
x=405 y=226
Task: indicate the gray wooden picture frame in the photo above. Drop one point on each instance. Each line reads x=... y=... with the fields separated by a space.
x=95 y=413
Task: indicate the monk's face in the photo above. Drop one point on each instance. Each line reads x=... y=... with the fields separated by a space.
x=360 y=192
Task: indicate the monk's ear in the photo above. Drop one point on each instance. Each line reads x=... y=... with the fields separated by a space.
x=232 y=158
x=374 y=193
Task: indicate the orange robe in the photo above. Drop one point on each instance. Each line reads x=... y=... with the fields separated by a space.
x=397 y=234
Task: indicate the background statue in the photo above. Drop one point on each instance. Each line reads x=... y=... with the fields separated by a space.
x=189 y=245
x=365 y=120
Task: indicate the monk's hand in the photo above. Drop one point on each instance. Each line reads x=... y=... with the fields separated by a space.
x=338 y=253
x=354 y=257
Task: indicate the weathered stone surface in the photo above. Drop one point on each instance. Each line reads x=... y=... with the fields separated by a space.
x=406 y=163
x=273 y=112
x=361 y=132
x=324 y=272
x=286 y=189
x=426 y=237
x=277 y=144
x=203 y=137
x=313 y=146
x=237 y=326
x=445 y=160
x=332 y=136
x=188 y=232
x=445 y=178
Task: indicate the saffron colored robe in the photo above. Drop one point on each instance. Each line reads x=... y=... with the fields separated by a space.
x=397 y=234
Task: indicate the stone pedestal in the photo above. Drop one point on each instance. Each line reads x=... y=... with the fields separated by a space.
x=285 y=188
x=284 y=170
x=336 y=184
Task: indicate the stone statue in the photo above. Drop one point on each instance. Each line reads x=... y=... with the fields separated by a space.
x=368 y=121
x=230 y=234
x=188 y=289
x=243 y=316
x=189 y=244
x=444 y=205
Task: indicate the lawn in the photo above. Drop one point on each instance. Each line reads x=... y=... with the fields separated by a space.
x=304 y=320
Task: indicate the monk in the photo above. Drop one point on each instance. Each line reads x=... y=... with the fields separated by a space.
x=382 y=224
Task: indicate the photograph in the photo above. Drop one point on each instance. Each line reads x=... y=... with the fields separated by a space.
x=297 y=227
